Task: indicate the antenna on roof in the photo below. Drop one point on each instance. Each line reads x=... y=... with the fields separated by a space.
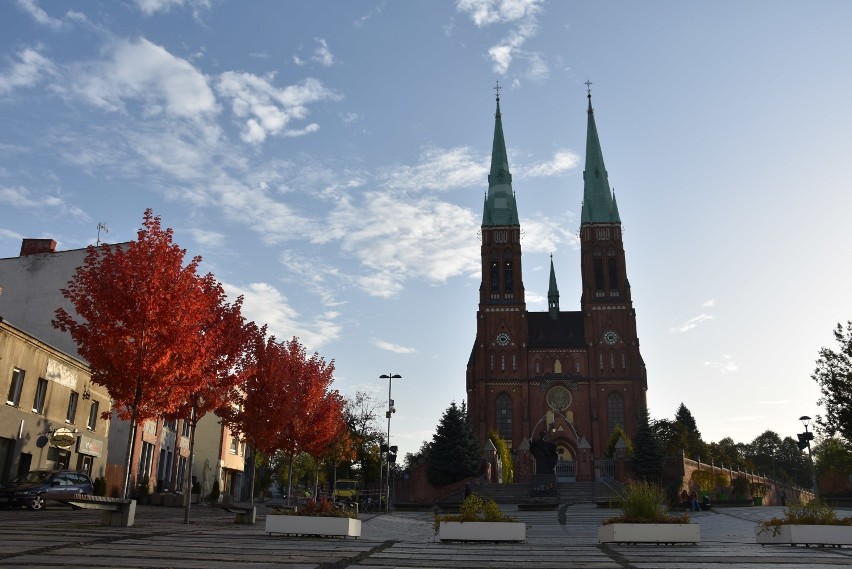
x=101 y=226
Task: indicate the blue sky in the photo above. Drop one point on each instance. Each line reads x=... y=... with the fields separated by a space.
x=328 y=160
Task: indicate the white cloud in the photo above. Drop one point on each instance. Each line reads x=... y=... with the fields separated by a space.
x=207 y=238
x=523 y=14
x=298 y=61
x=691 y=323
x=709 y=303
x=546 y=234
x=727 y=365
x=266 y=110
x=322 y=54
x=142 y=71
x=151 y=7
x=30 y=68
x=264 y=304
x=8 y=234
x=38 y=14
x=562 y=161
x=21 y=198
x=390 y=347
x=437 y=169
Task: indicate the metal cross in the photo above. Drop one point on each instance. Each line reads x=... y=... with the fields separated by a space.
x=589 y=87
x=497 y=90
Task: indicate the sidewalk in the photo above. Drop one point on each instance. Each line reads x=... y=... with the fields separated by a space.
x=567 y=538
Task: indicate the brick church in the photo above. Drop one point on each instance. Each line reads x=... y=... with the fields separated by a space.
x=571 y=376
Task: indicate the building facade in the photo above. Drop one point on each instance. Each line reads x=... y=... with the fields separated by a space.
x=52 y=416
x=569 y=376
x=31 y=292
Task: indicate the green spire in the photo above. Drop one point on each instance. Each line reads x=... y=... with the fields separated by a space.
x=553 y=294
x=598 y=201
x=500 y=207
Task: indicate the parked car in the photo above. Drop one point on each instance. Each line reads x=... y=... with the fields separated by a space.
x=29 y=489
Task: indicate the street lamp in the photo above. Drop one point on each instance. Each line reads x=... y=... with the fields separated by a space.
x=391 y=410
x=805 y=440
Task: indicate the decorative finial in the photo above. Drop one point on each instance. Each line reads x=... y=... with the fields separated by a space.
x=589 y=88
x=497 y=90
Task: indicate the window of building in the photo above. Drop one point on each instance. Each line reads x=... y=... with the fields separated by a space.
x=494 y=276
x=599 y=272
x=93 y=416
x=234 y=445
x=612 y=272
x=71 y=414
x=504 y=416
x=170 y=424
x=614 y=411
x=14 y=396
x=577 y=366
x=600 y=357
x=185 y=429
x=146 y=457
x=491 y=358
x=623 y=361
x=514 y=362
x=40 y=396
x=508 y=277
x=557 y=366
x=502 y=362
x=612 y=360
x=538 y=366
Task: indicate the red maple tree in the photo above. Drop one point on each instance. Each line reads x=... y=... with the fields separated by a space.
x=136 y=323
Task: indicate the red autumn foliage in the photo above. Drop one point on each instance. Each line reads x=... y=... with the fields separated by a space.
x=137 y=307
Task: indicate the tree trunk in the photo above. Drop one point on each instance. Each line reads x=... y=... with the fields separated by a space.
x=188 y=482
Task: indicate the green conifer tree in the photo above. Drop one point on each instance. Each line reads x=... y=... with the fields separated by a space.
x=454 y=453
x=647 y=460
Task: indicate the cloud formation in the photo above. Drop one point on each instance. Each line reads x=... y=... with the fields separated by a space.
x=391 y=347
x=727 y=365
x=695 y=320
x=263 y=109
x=523 y=15
x=28 y=70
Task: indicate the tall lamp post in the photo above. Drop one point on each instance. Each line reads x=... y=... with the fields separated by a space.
x=391 y=410
x=805 y=438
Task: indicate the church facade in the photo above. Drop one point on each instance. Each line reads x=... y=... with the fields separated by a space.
x=569 y=376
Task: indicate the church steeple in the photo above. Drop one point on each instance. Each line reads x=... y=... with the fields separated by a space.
x=598 y=200
x=500 y=207
x=553 y=294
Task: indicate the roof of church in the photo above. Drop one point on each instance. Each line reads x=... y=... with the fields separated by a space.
x=566 y=331
x=599 y=205
x=500 y=206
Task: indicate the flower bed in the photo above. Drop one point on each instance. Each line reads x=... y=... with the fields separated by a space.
x=814 y=523
x=643 y=520
x=479 y=519
x=313 y=525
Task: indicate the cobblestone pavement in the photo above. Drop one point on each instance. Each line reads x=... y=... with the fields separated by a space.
x=564 y=538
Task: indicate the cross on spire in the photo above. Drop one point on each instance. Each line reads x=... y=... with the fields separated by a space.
x=589 y=88
x=497 y=90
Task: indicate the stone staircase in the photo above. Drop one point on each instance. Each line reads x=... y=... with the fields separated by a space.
x=568 y=493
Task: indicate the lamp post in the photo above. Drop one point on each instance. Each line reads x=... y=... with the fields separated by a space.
x=391 y=410
x=807 y=439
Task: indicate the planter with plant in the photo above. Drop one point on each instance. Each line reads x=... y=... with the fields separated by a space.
x=758 y=491
x=814 y=523
x=479 y=519
x=143 y=490
x=644 y=519
x=321 y=518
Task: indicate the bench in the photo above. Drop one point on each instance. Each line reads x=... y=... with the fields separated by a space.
x=117 y=512
x=245 y=513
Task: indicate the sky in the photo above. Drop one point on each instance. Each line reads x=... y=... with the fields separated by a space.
x=328 y=160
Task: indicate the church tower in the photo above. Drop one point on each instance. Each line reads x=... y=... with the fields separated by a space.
x=571 y=376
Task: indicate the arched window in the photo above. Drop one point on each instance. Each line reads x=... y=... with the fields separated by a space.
x=494 y=276
x=557 y=366
x=612 y=269
x=623 y=360
x=514 y=362
x=538 y=367
x=508 y=277
x=599 y=270
x=577 y=366
x=504 y=416
x=614 y=411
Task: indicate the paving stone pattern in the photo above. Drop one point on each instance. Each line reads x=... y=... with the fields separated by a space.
x=563 y=538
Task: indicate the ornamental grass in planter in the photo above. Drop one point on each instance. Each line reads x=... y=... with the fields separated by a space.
x=643 y=519
x=479 y=519
x=812 y=523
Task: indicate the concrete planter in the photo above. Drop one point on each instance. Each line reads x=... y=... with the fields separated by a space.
x=649 y=533
x=805 y=535
x=313 y=525
x=482 y=531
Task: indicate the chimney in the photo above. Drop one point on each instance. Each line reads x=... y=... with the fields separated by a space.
x=36 y=246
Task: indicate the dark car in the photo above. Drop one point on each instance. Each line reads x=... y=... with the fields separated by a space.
x=29 y=489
